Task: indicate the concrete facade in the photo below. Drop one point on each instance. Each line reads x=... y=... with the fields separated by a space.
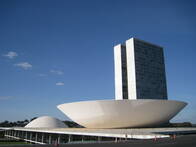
x=69 y=135
x=139 y=71
x=121 y=113
x=46 y=122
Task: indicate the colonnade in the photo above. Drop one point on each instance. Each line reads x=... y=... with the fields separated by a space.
x=52 y=138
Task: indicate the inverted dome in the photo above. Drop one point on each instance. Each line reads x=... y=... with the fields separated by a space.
x=122 y=113
x=46 y=122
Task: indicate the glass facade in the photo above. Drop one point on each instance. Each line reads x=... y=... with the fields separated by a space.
x=124 y=72
x=150 y=71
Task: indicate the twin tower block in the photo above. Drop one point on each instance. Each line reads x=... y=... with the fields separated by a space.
x=139 y=71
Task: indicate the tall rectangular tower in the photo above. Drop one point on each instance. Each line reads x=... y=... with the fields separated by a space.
x=139 y=71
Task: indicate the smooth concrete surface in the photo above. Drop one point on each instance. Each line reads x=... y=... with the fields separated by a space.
x=131 y=69
x=121 y=113
x=46 y=122
x=118 y=72
x=136 y=133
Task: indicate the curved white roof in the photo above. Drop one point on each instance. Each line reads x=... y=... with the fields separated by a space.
x=122 y=113
x=46 y=122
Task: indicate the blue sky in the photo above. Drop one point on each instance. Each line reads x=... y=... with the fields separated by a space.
x=54 y=52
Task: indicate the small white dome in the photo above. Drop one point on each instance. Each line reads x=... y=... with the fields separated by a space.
x=46 y=122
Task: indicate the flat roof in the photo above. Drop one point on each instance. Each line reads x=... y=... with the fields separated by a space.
x=137 y=133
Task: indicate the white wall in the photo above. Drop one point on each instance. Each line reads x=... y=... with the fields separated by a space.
x=131 y=74
x=118 y=72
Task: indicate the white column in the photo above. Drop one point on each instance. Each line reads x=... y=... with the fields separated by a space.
x=131 y=73
x=118 y=72
x=50 y=139
x=59 y=139
x=36 y=136
x=99 y=138
x=82 y=138
x=70 y=138
x=42 y=137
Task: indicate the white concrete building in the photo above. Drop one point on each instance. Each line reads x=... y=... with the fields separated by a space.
x=139 y=71
x=46 y=122
x=121 y=113
x=140 y=92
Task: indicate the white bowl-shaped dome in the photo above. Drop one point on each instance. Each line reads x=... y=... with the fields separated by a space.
x=46 y=122
x=121 y=113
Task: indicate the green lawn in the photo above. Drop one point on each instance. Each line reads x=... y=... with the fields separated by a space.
x=12 y=142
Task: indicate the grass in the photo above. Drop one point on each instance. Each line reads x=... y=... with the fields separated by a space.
x=12 y=142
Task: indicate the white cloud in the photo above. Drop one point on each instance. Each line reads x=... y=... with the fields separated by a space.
x=11 y=55
x=59 y=83
x=58 y=72
x=5 y=97
x=24 y=65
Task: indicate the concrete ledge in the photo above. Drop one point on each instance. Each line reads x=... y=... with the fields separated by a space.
x=135 y=133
